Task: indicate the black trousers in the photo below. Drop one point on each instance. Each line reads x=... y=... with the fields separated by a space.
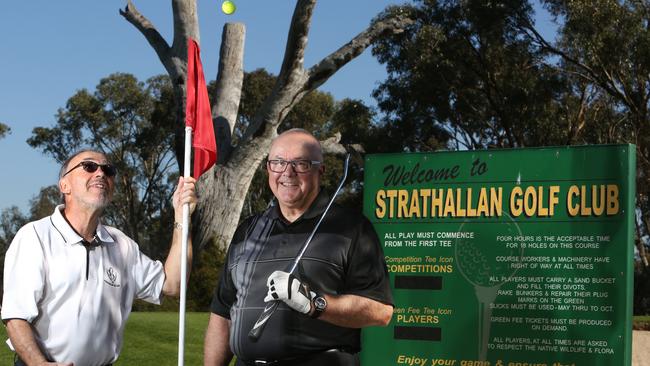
x=327 y=358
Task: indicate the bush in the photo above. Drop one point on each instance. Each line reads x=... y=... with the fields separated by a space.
x=203 y=280
x=641 y=325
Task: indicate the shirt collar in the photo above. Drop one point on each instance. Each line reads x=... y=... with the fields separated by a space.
x=70 y=235
x=316 y=209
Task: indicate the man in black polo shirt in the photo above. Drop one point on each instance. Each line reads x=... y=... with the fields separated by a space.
x=340 y=285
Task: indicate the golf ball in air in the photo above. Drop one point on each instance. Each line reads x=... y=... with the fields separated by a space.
x=228 y=7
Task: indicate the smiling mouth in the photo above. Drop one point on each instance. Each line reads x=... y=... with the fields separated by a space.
x=99 y=185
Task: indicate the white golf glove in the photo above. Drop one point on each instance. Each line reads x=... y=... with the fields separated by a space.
x=286 y=287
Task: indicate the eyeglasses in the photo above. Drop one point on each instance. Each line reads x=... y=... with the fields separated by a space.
x=299 y=166
x=91 y=167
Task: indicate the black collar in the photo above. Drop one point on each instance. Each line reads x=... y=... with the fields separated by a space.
x=315 y=210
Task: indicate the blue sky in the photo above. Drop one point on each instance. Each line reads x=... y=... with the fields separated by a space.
x=51 y=49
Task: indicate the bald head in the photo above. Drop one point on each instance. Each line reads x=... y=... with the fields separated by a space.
x=299 y=136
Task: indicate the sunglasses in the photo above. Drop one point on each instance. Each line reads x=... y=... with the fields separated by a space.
x=91 y=167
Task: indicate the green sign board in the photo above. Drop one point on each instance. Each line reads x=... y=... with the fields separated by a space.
x=505 y=257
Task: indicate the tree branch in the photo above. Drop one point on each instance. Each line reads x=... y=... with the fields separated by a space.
x=294 y=52
x=148 y=30
x=230 y=78
x=323 y=70
x=608 y=85
x=288 y=89
x=333 y=145
x=186 y=25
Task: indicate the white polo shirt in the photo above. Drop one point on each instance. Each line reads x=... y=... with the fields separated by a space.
x=77 y=302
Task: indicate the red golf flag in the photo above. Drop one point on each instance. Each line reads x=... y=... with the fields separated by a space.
x=198 y=114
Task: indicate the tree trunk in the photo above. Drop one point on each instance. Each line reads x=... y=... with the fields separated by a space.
x=230 y=78
x=220 y=205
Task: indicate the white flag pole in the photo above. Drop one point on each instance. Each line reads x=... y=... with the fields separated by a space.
x=186 y=226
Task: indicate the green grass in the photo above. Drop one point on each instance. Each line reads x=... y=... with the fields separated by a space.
x=150 y=339
x=6 y=356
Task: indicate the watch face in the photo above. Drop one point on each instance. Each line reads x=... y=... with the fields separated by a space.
x=320 y=303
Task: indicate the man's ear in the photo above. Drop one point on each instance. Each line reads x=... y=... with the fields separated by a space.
x=64 y=186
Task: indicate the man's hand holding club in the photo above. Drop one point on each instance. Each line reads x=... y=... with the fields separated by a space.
x=287 y=288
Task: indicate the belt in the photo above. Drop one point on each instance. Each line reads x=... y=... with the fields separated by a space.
x=330 y=357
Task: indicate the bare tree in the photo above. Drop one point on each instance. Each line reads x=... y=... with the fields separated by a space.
x=222 y=189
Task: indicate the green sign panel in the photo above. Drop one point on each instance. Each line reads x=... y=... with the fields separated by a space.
x=505 y=257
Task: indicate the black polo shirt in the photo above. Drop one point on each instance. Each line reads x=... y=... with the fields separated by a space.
x=344 y=257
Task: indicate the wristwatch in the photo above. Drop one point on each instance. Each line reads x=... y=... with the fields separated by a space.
x=319 y=306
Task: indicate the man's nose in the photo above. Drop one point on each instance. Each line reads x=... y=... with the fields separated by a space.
x=291 y=170
x=99 y=172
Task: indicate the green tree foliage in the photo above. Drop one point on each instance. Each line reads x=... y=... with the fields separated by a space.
x=11 y=219
x=466 y=75
x=44 y=203
x=593 y=111
x=4 y=130
x=204 y=275
x=641 y=289
x=606 y=45
x=357 y=124
x=118 y=119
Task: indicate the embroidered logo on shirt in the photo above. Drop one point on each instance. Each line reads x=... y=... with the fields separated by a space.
x=111 y=277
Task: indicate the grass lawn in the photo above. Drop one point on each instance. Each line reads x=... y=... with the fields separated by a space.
x=150 y=339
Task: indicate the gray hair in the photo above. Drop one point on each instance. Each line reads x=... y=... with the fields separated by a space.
x=64 y=166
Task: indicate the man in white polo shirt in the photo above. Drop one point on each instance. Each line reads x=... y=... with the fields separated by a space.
x=69 y=281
